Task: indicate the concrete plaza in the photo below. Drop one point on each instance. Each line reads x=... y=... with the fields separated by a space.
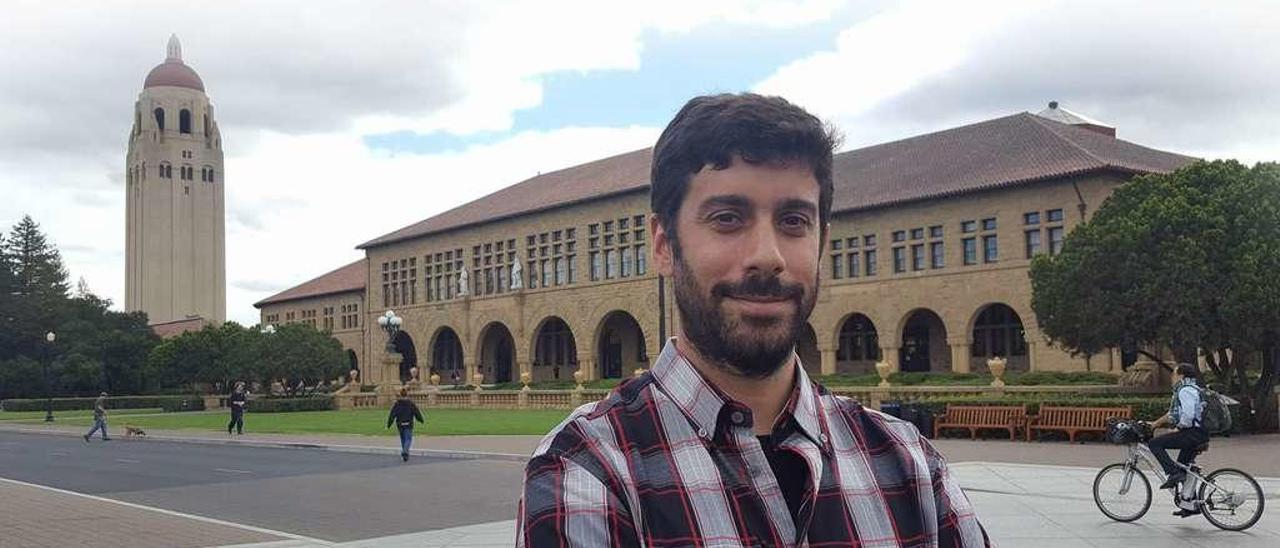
x=1043 y=500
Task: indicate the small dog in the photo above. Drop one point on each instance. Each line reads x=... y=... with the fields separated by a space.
x=134 y=432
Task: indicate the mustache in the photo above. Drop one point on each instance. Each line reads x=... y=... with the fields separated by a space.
x=759 y=287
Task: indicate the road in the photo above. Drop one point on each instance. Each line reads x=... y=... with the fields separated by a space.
x=321 y=494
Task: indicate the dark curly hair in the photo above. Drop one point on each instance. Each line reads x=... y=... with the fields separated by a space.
x=712 y=130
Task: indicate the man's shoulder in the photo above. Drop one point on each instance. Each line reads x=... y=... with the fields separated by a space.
x=592 y=424
x=864 y=424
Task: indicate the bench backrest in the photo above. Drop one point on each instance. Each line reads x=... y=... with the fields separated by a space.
x=984 y=414
x=1082 y=417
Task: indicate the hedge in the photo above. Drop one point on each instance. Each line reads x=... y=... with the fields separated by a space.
x=118 y=402
x=289 y=405
x=1030 y=378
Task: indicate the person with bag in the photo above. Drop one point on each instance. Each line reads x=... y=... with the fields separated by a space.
x=1185 y=413
x=403 y=413
x=237 y=401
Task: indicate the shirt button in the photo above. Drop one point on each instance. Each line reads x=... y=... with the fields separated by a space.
x=738 y=417
x=702 y=433
x=822 y=438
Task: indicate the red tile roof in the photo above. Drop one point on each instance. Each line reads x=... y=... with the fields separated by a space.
x=171 y=329
x=1006 y=151
x=342 y=280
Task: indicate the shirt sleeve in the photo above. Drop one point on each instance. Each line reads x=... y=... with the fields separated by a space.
x=958 y=525
x=564 y=504
x=1189 y=407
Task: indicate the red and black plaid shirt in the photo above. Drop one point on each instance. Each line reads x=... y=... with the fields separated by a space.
x=669 y=460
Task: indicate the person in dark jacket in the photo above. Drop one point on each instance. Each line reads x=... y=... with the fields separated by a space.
x=403 y=413
x=236 y=401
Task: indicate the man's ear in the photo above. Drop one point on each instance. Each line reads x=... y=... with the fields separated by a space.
x=663 y=257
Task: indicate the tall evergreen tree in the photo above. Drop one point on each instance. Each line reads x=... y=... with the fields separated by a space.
x=7 y=315
x=37 y=265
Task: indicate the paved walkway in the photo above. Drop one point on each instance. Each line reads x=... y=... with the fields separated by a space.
x=1026 y=494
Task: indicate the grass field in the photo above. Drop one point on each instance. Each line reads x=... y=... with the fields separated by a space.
x=371 y=422
x=58 y=416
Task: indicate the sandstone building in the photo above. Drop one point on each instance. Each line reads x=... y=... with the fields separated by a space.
x=175 y=233
x=925 y=267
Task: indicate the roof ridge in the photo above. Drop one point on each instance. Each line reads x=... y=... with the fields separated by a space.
x=274 y=296
x=1042 y=122
x=932 y=133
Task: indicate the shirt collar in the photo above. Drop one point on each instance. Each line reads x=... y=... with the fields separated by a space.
x=702 y=402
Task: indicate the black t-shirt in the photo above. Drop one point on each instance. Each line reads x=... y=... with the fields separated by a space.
x=791 y=471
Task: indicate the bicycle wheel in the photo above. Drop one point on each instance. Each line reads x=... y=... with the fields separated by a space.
x=1232 y=499
x=1122 y=492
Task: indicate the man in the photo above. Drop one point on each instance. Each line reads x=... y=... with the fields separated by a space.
x=99 y=418
x=1185 y=412
x=726 y=441
x=403 y=413
x=237 y=401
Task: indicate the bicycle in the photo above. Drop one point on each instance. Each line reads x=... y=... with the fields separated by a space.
x=1229 y=498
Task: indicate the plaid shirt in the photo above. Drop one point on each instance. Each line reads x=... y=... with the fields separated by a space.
x=668 y=460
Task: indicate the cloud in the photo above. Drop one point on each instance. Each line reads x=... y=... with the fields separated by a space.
x=1194 y=78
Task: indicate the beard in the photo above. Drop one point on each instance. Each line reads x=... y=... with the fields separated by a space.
x=749 y=346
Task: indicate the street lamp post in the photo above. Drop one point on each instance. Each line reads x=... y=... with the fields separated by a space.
x=48 y=397
x=390 y=323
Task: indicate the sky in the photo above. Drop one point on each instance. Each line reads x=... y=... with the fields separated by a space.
x=345 y=120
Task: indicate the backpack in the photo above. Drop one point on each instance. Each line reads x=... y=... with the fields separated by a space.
x=1216 y=417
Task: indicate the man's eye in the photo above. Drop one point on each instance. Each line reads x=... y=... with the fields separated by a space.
x=795 y=221
x=726 y=218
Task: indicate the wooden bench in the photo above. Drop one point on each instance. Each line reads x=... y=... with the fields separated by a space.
x=1073 y=420
x=974 y=417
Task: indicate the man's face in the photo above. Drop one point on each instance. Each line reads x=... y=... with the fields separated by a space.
x=745 y=273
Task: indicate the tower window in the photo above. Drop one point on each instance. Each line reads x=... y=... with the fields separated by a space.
x=159 y=112
x=166 y=171
x=184 y=121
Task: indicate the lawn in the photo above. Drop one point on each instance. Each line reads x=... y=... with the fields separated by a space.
x=59 y=415
x=440 y=422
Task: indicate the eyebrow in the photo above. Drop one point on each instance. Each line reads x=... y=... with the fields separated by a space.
x=741 y=202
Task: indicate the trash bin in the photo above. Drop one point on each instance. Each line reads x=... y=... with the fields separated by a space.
x=893 y=408
x=919 y=415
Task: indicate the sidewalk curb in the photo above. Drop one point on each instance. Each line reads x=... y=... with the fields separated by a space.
x=339 y=448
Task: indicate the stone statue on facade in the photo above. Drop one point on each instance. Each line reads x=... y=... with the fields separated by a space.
x=517 y=275
x=462 y=284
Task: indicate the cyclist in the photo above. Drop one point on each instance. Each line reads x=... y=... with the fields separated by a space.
x=1185 y=412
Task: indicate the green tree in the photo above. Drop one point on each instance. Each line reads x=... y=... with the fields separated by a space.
x=38 y=289
x=1188 y=260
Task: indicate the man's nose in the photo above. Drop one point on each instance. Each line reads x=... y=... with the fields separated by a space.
x=764 y=252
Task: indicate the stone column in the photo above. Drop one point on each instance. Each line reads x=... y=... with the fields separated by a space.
x=587 y=366
x=960 y=355
x=469 y=365
x=828 y=360
x=523 y=366
x=390 y=371
x=889 y=355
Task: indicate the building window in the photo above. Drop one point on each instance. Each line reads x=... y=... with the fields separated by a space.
x=642 y=260
x=1055 y=240
x=184 y=121
x=917 y=234
x=1032 y=218
x=869 y=264
x=546 y=273
x=616 y=251
x=937 y=255
x=990 y=249
x=1033 y=243
x=554 y=251
x=899 y=260
x=869 y=240
x=989 y=223
x=562 y=271
x=837 y=266
x=1054 y=215
x=917 y=257
x=595 y=265
x=159 y=113
x=970 y=251
x=899 y=235
x=627 y=258
x=610 y=264
x=853 y=264
x=968 y=226
x=935 y=231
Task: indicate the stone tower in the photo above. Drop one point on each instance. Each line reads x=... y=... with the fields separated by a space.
x=176 y=236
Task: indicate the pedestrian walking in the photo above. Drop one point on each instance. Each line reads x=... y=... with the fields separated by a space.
x=403 y=413
x=99 y=418
x=236 y=401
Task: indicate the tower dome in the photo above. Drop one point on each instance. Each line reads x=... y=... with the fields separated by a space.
x=173 y=72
